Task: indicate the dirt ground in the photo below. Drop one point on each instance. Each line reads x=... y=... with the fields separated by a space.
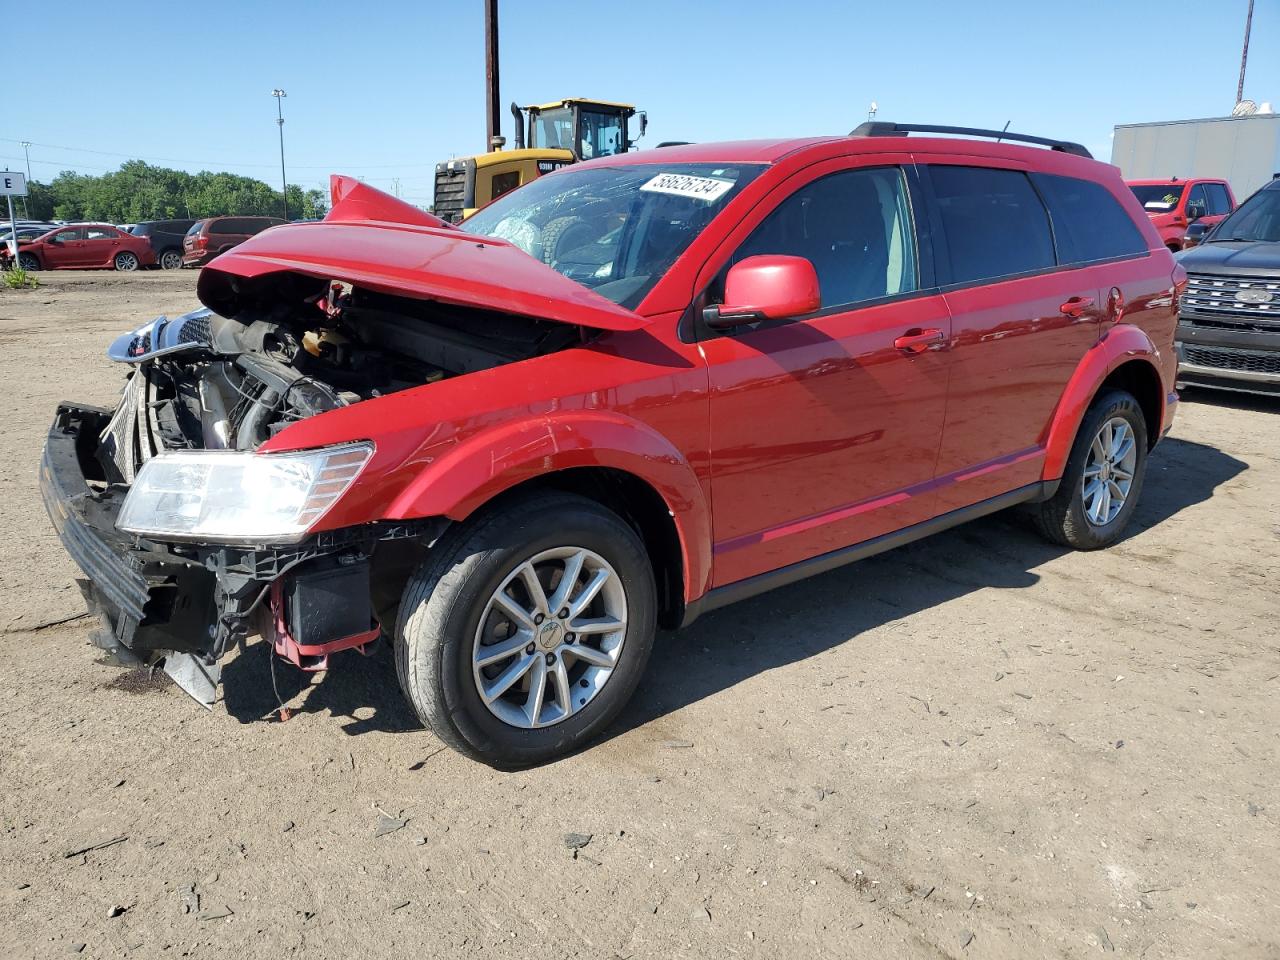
x=977 y=746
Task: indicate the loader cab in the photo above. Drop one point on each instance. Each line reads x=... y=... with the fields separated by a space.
x=547 y=136
x=586 y=128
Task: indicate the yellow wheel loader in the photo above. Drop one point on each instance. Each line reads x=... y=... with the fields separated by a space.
x=558 y=133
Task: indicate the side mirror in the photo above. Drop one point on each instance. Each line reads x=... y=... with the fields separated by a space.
x=767 y=287
x=1196 y=234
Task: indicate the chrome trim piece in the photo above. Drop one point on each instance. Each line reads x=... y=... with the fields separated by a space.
x=163 y=336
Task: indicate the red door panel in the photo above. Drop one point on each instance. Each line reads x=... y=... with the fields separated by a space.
x=1015 y=346
x=823 y=434
x=68 y=252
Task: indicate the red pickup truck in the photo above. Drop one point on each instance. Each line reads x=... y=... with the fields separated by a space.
x=1174 y=204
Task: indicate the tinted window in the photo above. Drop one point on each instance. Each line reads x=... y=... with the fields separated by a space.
x=1157 y=197
x=229 y=225
x=854 y=227
x=1197 y=202
x=195 y=228
x=995 y=225
x=1258 y=218
x=1088 y=222
x=1219 y=202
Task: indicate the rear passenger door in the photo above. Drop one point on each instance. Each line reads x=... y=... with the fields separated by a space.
x=101 y=244
x=1021 y=322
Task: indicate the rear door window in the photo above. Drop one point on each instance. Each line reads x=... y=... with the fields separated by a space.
x=994 y=223
x=102 y=233
x=1088 y=222
x=1219 y=202
x=854 y=227
x=229 y=225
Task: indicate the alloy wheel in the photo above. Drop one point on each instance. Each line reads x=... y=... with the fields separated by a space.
x=550 y=637
x=126 y=261
x=170 y=260
x=1108 y=472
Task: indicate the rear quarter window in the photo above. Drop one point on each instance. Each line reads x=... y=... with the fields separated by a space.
x=229 y=225
x=994 y=223
x=1088 y=222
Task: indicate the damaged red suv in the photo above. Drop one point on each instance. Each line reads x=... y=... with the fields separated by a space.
x=632 y=391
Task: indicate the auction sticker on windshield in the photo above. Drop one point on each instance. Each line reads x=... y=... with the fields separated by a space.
x=682 y=185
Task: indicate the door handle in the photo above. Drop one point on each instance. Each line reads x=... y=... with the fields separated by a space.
x=1076 y=306
x=918 y=341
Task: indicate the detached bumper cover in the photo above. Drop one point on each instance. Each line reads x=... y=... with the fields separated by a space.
x=149 y=597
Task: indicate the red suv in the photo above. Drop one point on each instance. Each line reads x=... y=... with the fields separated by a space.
x=632 y=391
x=207 y=238
x=85 y=246
x=1174 y=205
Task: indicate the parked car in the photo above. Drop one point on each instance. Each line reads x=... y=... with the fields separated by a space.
x=629 y=392
x=85 y=246
x=166 y=238
x=1174 y=204
x=1228 y=333
x=206 y=239
x=27 y=230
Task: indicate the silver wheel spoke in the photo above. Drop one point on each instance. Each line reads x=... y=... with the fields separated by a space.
x=597 y=625
x=495 y=652
x=1123 y=451
x=537 y=691
x=597 y=658
x=589 y=592
x=537 y=596
x=516 y=613
x=1120 y=473
x=508 y=678
x=572 y=570
x=564 y=693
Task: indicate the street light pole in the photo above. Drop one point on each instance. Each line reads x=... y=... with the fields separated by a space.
x=284 y=183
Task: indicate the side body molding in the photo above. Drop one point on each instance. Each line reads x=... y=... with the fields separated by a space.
x=1117 y=346
x=458 y=479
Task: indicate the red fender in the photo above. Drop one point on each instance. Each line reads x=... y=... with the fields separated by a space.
x=1118 y=345
x=464 y=477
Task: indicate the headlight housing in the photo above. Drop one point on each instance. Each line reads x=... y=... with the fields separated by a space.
x=238 y=496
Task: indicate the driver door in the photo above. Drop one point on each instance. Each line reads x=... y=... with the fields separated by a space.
x=67 y=251
x=825 y=429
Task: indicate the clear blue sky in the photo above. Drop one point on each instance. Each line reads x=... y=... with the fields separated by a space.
x=384 y=89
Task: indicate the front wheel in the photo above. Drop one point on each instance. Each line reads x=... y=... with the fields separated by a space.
x=1103 y=477
x=126 y=261
x=528 y=630
x=171 y=260
x=28 y=261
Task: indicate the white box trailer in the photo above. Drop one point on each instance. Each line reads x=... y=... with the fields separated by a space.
x=1244 y=151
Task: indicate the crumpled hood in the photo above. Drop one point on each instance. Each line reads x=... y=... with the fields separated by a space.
x=378 y=242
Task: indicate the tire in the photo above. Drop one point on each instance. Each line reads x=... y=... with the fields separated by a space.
x=170 y=260
x=450 y=607
x=1071 y=517
x=28 y=261
x=555 y=233
x=126 y=262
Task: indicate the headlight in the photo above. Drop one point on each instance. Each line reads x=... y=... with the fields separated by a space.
x=225 y=495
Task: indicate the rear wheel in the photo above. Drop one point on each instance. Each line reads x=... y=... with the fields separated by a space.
x=28 y=261
x=1103 y=478
x=528 y=630
x=171 y=260
x=126 y=261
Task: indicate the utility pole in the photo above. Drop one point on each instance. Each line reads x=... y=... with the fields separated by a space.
x=26 y=152
x=493 y=113
x=284 y=183
x=1244 y=54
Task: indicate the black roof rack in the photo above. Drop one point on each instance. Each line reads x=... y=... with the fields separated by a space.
x=882 y=128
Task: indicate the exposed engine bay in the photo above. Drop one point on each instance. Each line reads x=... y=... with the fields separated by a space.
x=205 y=381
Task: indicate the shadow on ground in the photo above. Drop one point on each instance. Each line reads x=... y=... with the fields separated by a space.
x=786 y=625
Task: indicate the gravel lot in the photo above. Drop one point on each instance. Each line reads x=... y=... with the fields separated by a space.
x=977 y=746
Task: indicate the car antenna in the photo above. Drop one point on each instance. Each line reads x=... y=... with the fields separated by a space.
x=1003 y=130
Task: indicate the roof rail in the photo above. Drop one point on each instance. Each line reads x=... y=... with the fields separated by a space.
x=882 y=128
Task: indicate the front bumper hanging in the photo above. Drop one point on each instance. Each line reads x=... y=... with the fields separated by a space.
x=191 y=603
